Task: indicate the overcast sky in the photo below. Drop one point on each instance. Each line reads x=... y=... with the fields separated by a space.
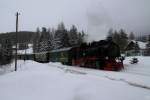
x=93 y=16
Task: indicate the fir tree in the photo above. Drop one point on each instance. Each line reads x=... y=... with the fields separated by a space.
x=6 y=52
x=131 y=36
x=123 y=39
x=110 y=33
x=73 y=36
x=61 y=37
x=148 y=46
x=36 y=41
x=81 y=37
x=119 y=38
x=116 y=37
x=44 y=41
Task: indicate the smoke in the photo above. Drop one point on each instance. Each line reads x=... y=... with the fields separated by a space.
x=98 y=21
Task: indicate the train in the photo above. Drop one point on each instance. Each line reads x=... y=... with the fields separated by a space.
x=104 y=55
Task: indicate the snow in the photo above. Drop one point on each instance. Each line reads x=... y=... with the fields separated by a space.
x=26 y=51
x=29 y=50
x=63 y=49
x=142 y=45
x=54 y=81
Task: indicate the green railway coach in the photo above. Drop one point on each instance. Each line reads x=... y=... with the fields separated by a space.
x=61 y=55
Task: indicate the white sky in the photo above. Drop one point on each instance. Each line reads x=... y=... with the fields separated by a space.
x=93 y=16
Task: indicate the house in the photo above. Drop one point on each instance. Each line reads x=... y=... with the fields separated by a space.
x=135 y=48
x=23 y=49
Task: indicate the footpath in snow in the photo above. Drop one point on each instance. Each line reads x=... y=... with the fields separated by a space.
x=53 y=81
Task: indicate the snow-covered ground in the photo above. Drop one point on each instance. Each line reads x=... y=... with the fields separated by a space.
x=26 y=51
x=53 y=81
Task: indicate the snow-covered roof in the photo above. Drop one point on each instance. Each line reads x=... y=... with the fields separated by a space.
x=142 y=45
x=63 y=49
x=30 y=45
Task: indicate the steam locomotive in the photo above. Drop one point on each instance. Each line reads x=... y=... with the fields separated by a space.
x=104 y=54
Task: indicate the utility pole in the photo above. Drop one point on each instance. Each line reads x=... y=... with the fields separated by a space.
x=17 y=14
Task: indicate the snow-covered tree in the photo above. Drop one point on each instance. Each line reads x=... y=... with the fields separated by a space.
x=44 y=41
x=61 y=38
x=52 y=41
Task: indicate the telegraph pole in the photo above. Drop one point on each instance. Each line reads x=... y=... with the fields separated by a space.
x=16 y=41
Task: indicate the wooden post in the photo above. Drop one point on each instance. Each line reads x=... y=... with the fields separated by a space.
x=16 y=41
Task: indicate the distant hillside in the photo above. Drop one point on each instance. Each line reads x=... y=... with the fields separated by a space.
x=23 y=36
